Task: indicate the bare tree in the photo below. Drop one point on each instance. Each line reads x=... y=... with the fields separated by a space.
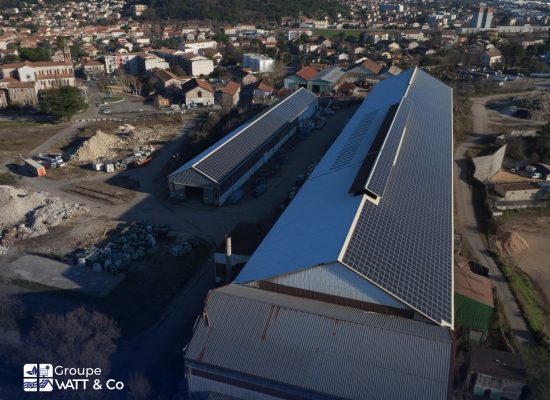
x=139 y=388
x=10 y=312
x=78 y=338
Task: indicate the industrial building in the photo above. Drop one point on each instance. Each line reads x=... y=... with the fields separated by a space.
x=323 y=81
x=350 y=294
x=377 y=210
x=223 y=168
x=255 y=344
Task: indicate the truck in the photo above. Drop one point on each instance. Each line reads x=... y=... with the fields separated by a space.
x=35 y=167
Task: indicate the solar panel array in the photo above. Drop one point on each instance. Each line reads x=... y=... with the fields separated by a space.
x=354 y=141
x=223 y=160
x=404 y=244
x=379 y=176
x=359 y=184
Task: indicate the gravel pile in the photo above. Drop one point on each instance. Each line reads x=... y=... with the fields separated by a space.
x=100 y=146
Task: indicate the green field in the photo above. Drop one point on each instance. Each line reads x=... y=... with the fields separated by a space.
x=328 y=33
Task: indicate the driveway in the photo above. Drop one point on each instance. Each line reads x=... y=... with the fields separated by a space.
x=466 y=222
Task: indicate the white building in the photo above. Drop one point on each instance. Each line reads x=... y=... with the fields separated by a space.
x=197 y=46
x=196 y=65
x=258 y=62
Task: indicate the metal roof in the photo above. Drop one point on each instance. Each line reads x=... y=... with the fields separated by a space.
x=321 y=348
x=405 y=244
x=402 y=244
x=332 y=74
x=222 y=158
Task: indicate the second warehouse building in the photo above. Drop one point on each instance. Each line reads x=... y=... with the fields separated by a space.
x=223 y=168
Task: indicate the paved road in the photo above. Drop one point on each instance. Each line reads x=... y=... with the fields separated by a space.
x=467 y=224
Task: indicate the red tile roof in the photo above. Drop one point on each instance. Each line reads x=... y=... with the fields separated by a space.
x=193 y=83
x=372 y=66
x=231 y=88
x=307 y=73
x=265 y=88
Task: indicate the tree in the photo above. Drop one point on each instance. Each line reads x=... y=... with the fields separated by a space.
x=10 y=312
x=139 y=388
x=537 y=361
x=63 y=102
x=36 y=54
x=77 y=338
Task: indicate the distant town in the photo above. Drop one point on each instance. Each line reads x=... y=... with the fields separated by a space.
x=341 y=200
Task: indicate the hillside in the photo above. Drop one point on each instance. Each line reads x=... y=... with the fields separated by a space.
x=241 y=10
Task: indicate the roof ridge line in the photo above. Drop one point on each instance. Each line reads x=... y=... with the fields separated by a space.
x=268 y=111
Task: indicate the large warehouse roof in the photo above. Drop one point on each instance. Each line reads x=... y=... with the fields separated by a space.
x=331 y=350
x=380 y=201
x=222 y=158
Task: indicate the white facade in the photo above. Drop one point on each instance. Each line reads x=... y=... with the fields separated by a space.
x=199 y=45
x=200 y=65
x=150 y=62
x=258 y=62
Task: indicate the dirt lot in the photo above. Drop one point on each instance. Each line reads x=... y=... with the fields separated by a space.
x=534 y=228
x=532 y=106
x=17 y=137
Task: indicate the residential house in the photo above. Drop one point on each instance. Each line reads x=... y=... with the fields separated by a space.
x=196 y=65
x=167 y=83
x=240 y=75
x=228 y=96
x=491 y=57
x=262 y=92
x=147 y=62
x=196 y=91
x=520 y=195
x=495 y=374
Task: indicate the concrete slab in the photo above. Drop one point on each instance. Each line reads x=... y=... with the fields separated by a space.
x=63 y=276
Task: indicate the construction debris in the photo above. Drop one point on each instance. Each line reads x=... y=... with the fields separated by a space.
x=133 y=135
x=127 y=243
x=27 y=214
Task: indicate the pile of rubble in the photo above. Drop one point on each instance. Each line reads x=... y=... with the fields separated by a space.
x=27 y=214
x=100 y=146
x=127 y=243
x=537 y=104
x=133 y=135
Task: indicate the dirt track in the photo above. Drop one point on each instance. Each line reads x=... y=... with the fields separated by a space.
x=466 y=223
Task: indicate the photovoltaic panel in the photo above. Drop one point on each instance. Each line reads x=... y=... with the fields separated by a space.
x=359 y=185
x=404 y=244
x=223 y=160
x=380 y=173
x=350 y=148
